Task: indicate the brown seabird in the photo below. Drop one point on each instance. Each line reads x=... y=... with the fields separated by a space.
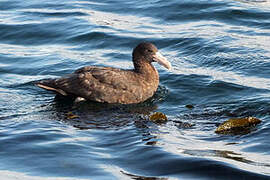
x=113 y=85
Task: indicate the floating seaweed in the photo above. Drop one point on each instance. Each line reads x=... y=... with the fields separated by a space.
x=158 y=117
x=70 y=115
x=238 y=125
x=183 y=125
x=189 y=106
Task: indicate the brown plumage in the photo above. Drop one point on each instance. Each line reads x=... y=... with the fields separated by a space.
x=113 y=85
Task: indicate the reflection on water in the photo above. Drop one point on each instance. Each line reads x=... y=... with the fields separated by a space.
x=224 y=154
x=94 y=115
x=142 y=178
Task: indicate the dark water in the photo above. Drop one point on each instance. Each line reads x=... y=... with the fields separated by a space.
x=220 y=52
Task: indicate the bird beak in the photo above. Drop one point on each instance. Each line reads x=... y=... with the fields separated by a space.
x=160 y=59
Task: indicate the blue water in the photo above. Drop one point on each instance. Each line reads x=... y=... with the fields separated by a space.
x=220 y=53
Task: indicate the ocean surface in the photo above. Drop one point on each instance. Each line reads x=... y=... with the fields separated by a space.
x=220 y=53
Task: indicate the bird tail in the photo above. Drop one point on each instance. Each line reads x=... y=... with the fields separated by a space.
x=50 y=85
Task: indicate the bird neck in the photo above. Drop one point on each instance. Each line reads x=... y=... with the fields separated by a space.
x=147 y=69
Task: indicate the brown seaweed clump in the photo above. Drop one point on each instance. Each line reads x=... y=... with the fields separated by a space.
x=237 y=125
x=70 y=115
x=189 y=106
x=158 y=117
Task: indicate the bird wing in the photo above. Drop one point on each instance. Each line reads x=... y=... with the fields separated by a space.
x=102 y=84
x=106 y=84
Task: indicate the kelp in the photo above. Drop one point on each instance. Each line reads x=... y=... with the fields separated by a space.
x=238 y=125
